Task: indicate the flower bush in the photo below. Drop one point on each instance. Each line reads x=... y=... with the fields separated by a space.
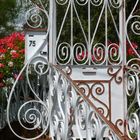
x=11 y=57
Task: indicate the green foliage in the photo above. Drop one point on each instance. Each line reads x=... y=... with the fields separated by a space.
x=8 y=14
x=83 y=15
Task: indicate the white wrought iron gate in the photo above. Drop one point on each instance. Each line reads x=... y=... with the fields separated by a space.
x=89 y=42
x=79 y=89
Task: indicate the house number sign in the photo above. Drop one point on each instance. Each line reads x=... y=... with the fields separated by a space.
x=34 y=40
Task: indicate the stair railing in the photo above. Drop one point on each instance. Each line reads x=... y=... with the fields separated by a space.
x=58 y=108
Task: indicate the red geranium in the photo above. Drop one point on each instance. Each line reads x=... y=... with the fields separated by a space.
x=15 y=55
x=1 y=65
x=2 y=50
x=11 y=56
x=1 y=75
x=130 y=49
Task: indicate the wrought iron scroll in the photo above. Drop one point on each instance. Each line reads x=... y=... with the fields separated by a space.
x=133 y=92
x=87 y=50
x=132 y=76
x=133 y=25
x=51 y=103
x=54 y=105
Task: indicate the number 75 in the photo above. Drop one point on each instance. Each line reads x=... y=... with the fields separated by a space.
x=32 y=43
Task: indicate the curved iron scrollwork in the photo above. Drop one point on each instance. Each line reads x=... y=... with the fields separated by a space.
x=133 y=77
x=133 y=93
x=133 y=110
x=64 y=113
x=61 y=2
x=133 y=23
x=37 y=15
x=63 y=53
x=116 y=3
x=98 y=54
x=50 y=103
x=86 y=50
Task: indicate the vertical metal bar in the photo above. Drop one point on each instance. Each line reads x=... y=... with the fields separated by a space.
x=52 y=32
x=72 y=33
x=89 y=34
x=106 y=31
x=122 y=21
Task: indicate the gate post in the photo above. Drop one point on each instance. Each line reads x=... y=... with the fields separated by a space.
x=122 y=23
x=52 y=32
x=122 y=30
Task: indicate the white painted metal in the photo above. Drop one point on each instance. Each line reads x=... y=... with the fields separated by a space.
x=103 y=50
x=61 y=111
x=93 y=70
x=33 y=40
x=86 y=99
x=52 y=33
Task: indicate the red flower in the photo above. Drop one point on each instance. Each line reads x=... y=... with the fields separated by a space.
x=2 y=41
x=130 y=48
x=130 y=51
x=22 y=51
x=1 y=65
x=16 y=48
x=2 y=50
x=82 y=55
x=1 y=75
x=15 y=55
x=10 y=45
x=93 y=58
x=21 y=37
x=133 y=45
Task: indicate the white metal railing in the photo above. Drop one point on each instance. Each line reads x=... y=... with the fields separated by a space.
x=88 y=51
x=132 y=91
x=48 y=100
x=64 y=111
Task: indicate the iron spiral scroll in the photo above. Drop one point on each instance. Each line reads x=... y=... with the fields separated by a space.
x=61 y=111
x=51 y=104
x=132 y=76
x=49 y=101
